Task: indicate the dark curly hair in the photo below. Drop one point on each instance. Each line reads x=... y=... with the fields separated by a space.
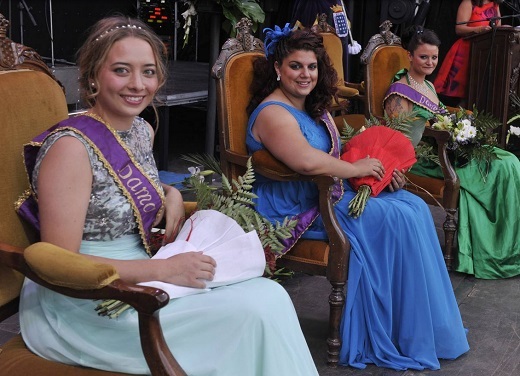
x=264 y=80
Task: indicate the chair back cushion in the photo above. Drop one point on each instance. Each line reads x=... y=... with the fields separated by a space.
x=30 y=102
x=381 y=67
x=234 y=94
x=334 y=48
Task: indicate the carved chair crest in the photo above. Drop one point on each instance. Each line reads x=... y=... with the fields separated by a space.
x=322 y=26
x=245 y=41
x=17 y=56
x=385 y=37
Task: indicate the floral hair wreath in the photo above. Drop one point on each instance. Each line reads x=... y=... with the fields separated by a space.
x=272 y=37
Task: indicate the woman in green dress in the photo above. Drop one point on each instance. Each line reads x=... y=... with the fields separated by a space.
x=488 y=223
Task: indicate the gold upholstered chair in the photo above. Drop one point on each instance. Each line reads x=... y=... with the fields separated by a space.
x=30 y=102
x=334 y=47
x=233 y=72
x=382 y=58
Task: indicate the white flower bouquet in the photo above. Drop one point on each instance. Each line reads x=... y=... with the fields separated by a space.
x=472 y=136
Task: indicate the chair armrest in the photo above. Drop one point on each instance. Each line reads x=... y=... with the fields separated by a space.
x=339 y=254
x=360 y=87
x=75 y=275
x=451 y=179
x=267 y=165
x=347 y=92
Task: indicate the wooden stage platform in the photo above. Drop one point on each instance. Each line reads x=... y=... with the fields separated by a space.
x=187 y=83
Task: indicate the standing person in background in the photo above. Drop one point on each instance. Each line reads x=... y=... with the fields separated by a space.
x=81 y=175
x=473 y=17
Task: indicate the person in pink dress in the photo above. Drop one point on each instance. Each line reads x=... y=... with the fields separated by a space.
x=452 y=79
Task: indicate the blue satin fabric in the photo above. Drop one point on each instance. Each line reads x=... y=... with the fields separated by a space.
x=400 y=311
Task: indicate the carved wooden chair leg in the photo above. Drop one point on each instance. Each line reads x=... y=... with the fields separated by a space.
x=450 y=228
x=337 y=303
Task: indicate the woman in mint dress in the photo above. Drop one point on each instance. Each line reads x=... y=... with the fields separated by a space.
x=99 y=194
x=488 y=226
x=400 y=310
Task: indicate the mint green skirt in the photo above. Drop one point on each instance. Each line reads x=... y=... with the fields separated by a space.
x=489 y=219
x=249 y=328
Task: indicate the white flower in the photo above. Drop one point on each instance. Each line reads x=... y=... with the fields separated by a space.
x=465 y=131
x=515 y=131
x=465 y=123
x=188 y=15
x=194 y=170
x=190 y=12
x=443 y=122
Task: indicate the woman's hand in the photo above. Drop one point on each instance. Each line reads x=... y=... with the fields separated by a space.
x=398 y=181
x=369 y=167
x=189 y=269
x=482 y=29
x=174 y=213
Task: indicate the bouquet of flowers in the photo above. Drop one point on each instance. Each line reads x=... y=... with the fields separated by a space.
x=471 y=136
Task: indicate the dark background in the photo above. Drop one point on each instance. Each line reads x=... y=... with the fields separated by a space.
x=72 y=18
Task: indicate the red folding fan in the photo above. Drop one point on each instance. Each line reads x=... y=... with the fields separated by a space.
x=391 y=147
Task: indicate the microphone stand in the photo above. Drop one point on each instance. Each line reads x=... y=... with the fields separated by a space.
x=22 y=5
x=492 y=20
x=52 y=34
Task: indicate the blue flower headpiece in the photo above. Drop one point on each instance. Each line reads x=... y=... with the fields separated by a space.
x=272 y=37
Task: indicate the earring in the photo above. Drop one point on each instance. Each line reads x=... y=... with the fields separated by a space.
x=278 y=78
x=93 y=84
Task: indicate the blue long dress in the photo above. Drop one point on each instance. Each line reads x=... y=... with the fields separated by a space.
x=400 y=308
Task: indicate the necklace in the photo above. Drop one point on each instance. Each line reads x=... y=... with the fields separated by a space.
x=417 y=86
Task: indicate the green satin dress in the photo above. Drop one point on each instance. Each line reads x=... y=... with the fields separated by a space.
x=488 y=217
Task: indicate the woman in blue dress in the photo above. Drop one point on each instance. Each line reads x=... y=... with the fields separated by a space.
x=99 y=194
x=400 y=310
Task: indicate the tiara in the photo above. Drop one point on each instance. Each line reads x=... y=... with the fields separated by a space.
x=272 y=37
x=129 y=26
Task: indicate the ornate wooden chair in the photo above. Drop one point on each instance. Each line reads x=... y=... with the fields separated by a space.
x=233 y=72
x=30 y=102
x=346 y=91
x=382 y=58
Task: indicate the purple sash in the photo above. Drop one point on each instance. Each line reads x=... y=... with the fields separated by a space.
x=413 y=96
x=145 y=196
x=306 y=218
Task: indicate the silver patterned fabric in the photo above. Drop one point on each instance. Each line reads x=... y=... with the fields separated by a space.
x=109 y=214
